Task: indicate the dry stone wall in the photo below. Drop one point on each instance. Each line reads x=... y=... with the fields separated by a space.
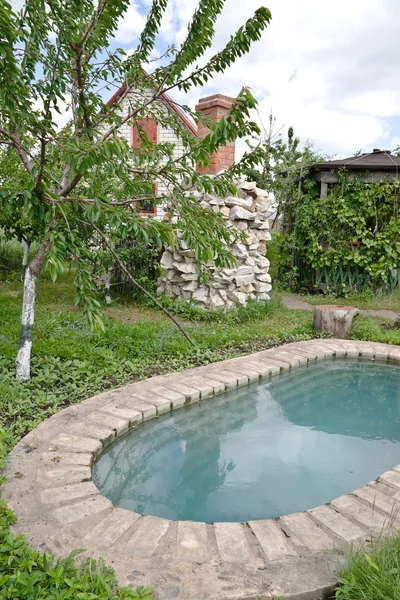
x=248 y=212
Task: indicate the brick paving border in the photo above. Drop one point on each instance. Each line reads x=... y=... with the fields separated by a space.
x=296 y=556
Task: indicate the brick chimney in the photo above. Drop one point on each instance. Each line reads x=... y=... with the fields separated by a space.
x=216 y=107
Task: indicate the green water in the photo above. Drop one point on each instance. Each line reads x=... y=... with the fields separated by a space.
x=279 y=446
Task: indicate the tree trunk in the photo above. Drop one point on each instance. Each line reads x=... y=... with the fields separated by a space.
x=334 y=319
x=23 y=361
x=25 y=247
x=107 y=286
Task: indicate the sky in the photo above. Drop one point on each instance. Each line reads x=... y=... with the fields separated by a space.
x=329 y=69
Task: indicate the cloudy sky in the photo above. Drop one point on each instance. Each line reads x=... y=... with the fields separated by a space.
x=330 y=69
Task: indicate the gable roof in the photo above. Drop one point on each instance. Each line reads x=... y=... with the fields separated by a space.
x=168 y=101
x=381 y=160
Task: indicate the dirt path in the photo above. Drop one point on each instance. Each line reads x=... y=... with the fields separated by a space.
x=294 y=303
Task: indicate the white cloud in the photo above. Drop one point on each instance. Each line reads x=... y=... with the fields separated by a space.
x=328 y=69
x=130 y=24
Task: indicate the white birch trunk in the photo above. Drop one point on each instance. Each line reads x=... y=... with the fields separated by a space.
x=25 y=248
x=23 y=362
x=107 y=286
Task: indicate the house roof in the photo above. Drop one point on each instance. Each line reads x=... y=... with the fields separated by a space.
x=380 y=160
x=168 y=101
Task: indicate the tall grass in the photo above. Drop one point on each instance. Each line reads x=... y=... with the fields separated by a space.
x=372 y=574
x=10 y=257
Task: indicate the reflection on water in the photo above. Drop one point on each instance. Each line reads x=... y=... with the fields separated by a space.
x=275 y=447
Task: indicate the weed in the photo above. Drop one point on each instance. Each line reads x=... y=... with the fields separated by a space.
x=373 y=573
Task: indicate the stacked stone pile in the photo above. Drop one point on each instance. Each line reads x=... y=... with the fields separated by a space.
x=248 y=212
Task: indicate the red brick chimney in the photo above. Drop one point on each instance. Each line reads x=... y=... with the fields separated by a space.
x=216 y=107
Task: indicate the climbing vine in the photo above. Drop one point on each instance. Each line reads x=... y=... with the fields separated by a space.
x=356 y=226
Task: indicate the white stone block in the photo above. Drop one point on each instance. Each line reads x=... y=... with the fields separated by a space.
x=248 y=185
x=265 y=277
x=245 y=280
x=261 y=261
x=239 y=250
x=262 y=287
x=185 y=267
x=167 y=260
x=200 y=295
x=239 y=213
x=263 y=296
x=217 y=302
x=225 y=211
x=237 y=201
x=261 y=193
x=190 y=286
x=247 y=289
x=237 y=297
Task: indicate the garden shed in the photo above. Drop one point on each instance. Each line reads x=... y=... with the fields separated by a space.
x=341 y=224
x=370 y=167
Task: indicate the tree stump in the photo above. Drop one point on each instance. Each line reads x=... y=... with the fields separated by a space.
x=334 y=319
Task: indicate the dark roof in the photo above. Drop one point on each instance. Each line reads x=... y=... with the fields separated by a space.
x=167 y=100
x=381 y=160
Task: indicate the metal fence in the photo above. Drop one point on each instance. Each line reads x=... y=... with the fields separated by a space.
x=342 y=278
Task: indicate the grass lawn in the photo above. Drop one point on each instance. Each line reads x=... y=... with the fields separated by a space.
x=364 y=300
x=70 y=363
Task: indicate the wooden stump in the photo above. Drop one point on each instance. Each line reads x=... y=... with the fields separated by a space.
x=334 y=319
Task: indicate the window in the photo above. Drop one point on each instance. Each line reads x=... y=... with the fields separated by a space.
x=148 y=207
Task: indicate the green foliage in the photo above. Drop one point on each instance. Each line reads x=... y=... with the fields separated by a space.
x=279 y=255
x=192 y=312
x=11 y=259
x=366 y=299
x=372 y=573
x=281 y=166
x=72 y=362
x=61 y=186
x=27 y=574
x=357 y=226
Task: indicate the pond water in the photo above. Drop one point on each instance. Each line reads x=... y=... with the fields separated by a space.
x=278 y=446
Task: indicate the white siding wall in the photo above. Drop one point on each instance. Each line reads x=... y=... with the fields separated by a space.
x=165 y=134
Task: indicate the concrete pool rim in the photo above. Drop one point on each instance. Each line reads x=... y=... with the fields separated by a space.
x=59 y=508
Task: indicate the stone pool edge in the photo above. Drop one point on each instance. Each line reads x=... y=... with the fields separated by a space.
x=59 y=508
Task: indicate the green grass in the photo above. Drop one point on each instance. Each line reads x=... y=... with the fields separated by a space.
x=364 y=300
x=70 y=363
x=372 y=574
x=375 y=330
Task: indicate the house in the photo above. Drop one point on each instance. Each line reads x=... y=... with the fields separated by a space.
x=215 y=107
